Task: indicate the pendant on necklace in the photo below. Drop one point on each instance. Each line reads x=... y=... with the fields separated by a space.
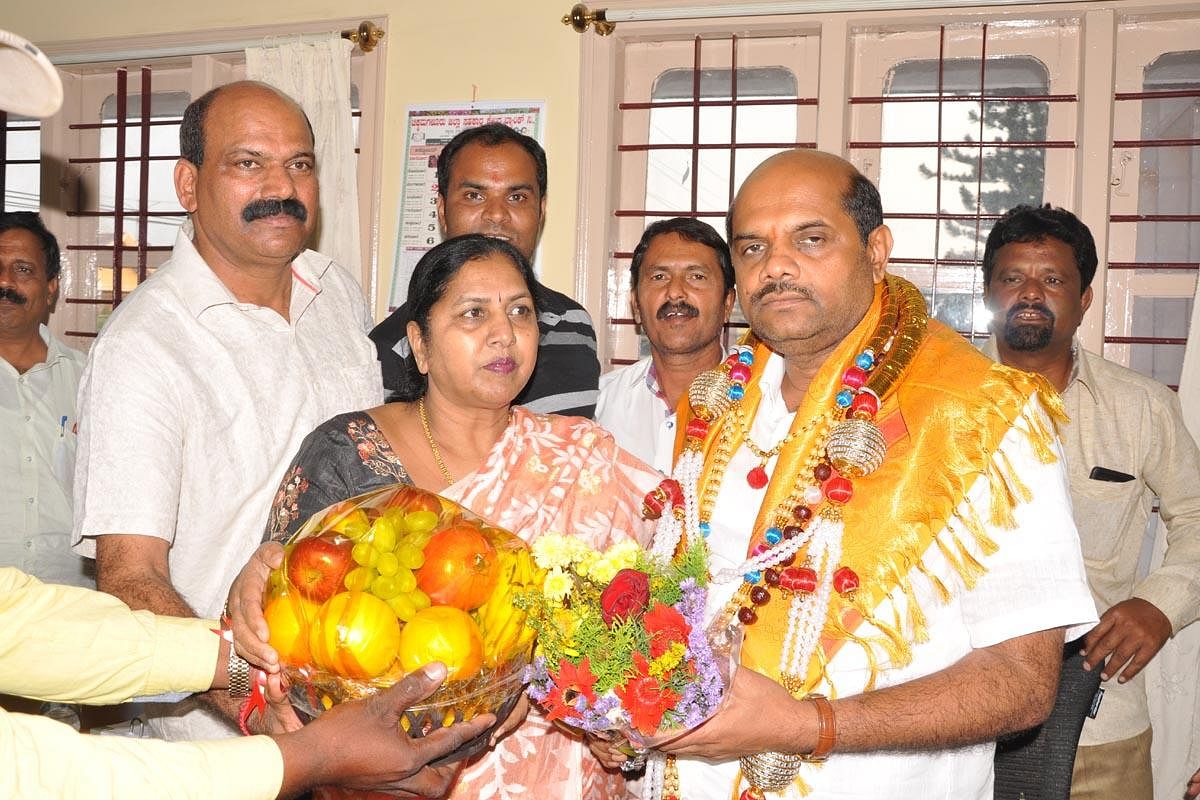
x=757 y=477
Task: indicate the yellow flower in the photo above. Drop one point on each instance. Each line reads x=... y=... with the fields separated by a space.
x=667 y=661
x=623 y=554
x=603 y=570
x=552 y=550
x=557 y=586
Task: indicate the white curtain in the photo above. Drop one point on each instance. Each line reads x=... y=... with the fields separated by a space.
x=1172 y=677
x=316 y=74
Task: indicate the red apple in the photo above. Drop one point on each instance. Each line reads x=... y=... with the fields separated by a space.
x=411 y=499
x=318 y=565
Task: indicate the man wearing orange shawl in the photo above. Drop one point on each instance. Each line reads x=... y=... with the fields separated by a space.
x=887 y=516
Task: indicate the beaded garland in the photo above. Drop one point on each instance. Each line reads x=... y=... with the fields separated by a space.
x=809 y=519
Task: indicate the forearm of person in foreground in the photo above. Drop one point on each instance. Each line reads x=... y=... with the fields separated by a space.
x=358 y=744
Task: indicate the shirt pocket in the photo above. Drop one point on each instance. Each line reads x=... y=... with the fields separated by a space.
x=1102 y=511
x=63 y=459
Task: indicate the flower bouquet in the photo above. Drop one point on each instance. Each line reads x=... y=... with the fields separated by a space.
x=377 y=586
x=622 y=645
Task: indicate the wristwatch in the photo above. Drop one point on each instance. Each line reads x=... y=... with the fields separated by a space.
x=239 y=674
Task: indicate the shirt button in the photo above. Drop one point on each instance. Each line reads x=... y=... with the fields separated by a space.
x=27 y=418
x=28 y=459
x=31 y=501
x=29 y=544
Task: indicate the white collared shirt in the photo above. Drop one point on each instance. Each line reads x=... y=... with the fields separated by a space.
x=192 y=405
x=1034 y=581
x=633 y=409
x=37 y=426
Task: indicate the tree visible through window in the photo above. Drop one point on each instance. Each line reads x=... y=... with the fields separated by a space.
x=958 y=146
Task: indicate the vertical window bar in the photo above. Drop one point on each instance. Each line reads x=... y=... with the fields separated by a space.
x=119 y=188
x=733 y=109
x=144 y=179
x=979 y=169
x=3 y=159
x=937 y=226
x=696 y=125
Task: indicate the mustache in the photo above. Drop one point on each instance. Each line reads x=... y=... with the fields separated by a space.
x=679 y=307
x=1019 y=307
x=781 y=286
x=260 y=209
x=12 y=295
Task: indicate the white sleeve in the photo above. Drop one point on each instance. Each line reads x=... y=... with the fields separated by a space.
x=131 y=434
x=1036 y=579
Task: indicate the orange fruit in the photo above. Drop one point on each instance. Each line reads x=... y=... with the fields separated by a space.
x=356 y=635
x=461 y=567
x=288 y=617
x=446 y=634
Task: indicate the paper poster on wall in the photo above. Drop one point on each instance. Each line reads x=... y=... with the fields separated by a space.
x=429 y=127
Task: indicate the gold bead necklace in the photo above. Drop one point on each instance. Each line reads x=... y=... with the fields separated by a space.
x=437 y=452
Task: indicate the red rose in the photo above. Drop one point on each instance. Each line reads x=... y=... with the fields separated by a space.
x=626 y=596
x=666 y=626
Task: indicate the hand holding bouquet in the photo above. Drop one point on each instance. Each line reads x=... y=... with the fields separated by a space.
x=622 y=644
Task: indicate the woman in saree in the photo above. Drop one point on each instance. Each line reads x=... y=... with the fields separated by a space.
x=452 y=429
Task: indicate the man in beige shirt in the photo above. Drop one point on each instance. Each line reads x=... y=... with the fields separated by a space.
x=1125 y=445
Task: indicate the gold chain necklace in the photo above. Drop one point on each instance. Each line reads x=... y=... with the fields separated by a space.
x=437 y=453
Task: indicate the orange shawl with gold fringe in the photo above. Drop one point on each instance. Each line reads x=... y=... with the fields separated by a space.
x=944 y=421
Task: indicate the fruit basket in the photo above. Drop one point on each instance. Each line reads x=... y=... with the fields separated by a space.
x=377 y=586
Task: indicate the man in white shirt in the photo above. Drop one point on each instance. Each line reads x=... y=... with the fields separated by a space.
x=682 y=294
x=39 y=376
x=205 y=380
x=887 y=515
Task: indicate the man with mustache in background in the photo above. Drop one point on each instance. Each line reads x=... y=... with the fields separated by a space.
x=202 y=384
x=39 y=376
x=1125 y=444
x=682 y=280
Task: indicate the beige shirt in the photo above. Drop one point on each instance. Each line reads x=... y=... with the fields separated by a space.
x=65 y=643
x=1128 y=423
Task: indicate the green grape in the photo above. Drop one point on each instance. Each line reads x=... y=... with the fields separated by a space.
x=364 y=554
x=385 y=536
x=355 y=527
x=384 y=587
x=406 y=580
x=388 y=564
x=403 y=606
x=410 y=555
x=420 y=599
x=359 y=579
x=421 y=521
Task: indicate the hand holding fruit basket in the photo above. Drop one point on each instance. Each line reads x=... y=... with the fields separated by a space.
x=377 y=586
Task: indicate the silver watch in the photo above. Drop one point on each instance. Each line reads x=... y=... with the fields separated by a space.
x=239 y=674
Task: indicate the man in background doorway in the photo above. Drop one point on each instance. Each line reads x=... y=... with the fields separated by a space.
x=492 y=180
x=682 y=291
x=1126 y=443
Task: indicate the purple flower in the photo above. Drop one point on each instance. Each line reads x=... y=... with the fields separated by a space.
x=701 y=697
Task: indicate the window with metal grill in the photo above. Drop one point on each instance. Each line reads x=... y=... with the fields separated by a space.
x=964 y=121
x=20 y=162
x=690 y=135
x=1154 y=241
